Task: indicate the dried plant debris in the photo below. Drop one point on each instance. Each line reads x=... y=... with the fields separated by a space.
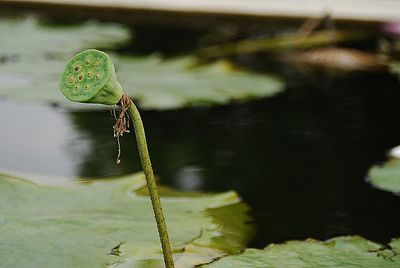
x=341 y=59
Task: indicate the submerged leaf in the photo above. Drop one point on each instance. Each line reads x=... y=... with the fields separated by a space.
x=344 y=252
x=32 y=62
x=107 y=224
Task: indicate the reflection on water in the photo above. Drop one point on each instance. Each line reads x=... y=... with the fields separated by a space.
x=189 y=178
x=299 y=159
x=39 y=140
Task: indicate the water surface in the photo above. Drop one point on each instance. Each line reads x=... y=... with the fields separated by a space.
x=299 y=159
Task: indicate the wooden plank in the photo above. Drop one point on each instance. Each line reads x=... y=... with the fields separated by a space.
x=347 y=10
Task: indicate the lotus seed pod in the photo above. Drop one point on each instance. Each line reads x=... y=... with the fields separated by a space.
x=90 y=77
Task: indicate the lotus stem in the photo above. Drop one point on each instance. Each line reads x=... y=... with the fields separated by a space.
x=151 y=184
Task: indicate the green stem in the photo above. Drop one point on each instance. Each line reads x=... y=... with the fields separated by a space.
x=151 y=185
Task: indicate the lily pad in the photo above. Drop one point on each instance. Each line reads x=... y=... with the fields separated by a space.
x=387 y=176
x=174 y=83
x=107 y=224
x=344 y=252
x=28 y=39
x=35 y=57
x=394 y=68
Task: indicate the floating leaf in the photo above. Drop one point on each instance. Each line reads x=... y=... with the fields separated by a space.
x=27 y=39
x=164 y=84
x=106 y=223
x=394 y=68
x=344 y=252
x=34 y=59
x=387 y=176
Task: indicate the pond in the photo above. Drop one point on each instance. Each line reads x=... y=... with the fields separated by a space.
x=298 y=159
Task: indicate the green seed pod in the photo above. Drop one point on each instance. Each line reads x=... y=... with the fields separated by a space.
x=90 y=77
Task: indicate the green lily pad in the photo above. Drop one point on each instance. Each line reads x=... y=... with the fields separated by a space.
x=343 y=252
x=394 y=68
x=28 y=39
x=386 y=176
x=35 y=57
x=106 y=223
x=174 y=83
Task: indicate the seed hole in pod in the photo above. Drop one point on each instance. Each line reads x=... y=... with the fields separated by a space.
x=87 y=61
x=97 y=75
x=87 y=87
x=89 y=75
x=77 y=68
x=70 y=80
x=97 y=64
x=76 y=88
x=80 y=77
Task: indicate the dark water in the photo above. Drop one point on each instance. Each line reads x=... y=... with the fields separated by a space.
x=299 y=159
